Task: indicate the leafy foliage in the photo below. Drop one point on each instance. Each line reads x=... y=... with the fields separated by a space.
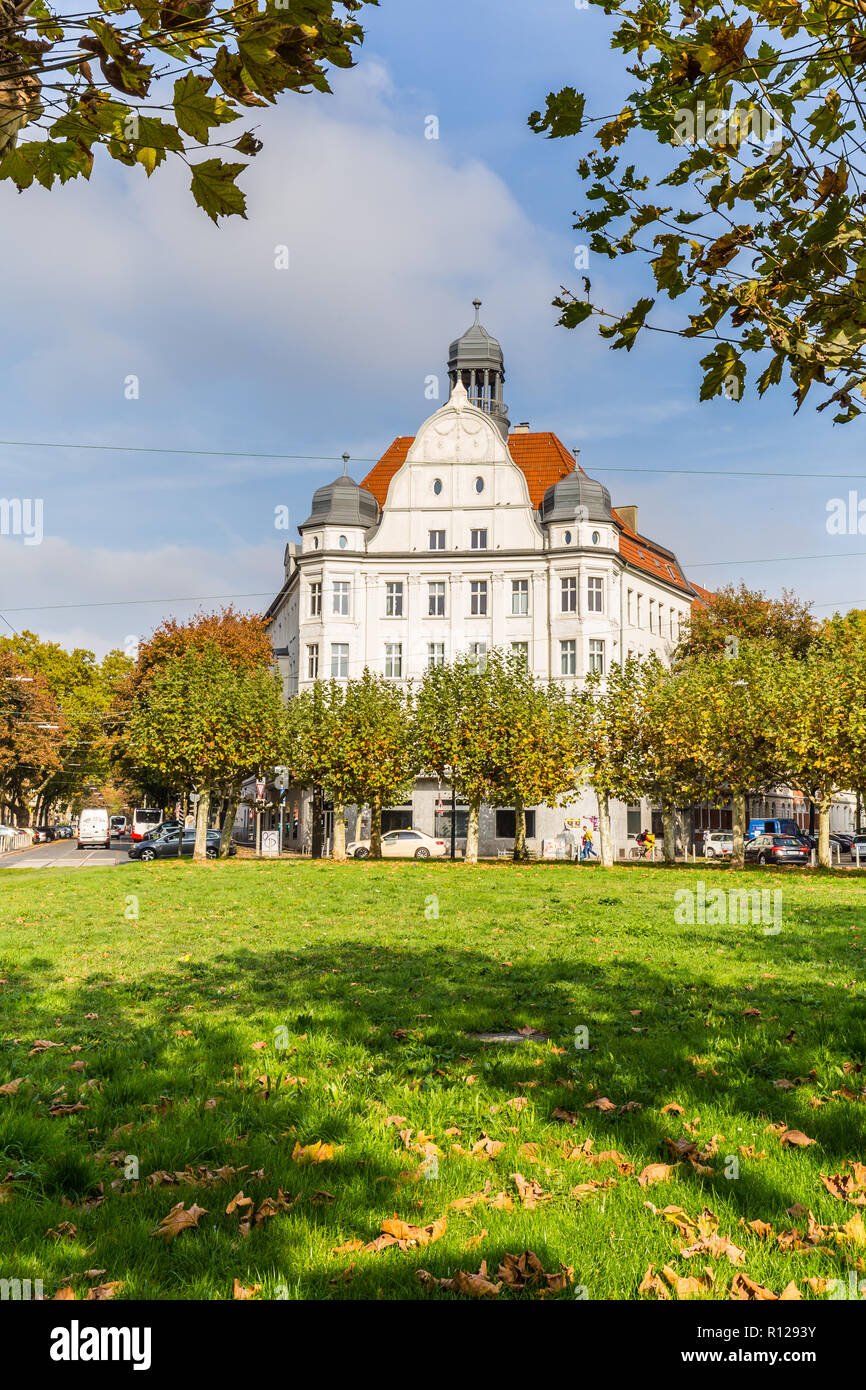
x=170 y=74
x=759 y=213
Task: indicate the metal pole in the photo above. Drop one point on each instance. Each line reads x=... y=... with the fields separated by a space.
x=453 y=819
x=282 y=818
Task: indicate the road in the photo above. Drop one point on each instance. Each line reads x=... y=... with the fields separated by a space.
x=64 y=854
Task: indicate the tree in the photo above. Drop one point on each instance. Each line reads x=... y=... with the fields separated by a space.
x=462 y=714
x=733 y=615
x=355 y=740
x=820 y=722
x=242 y=640
x=757 y=213
x=170 y=74
x=532 y=762
x=84 y=690
x=607 y=721
x=32 y=729
x=729 y=720
x=201 y=723
x=672 y=770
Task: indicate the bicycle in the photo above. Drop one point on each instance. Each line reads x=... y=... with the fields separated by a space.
x=641 y=851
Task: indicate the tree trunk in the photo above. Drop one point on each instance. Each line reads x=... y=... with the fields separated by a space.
x=339 y=850
x=669 y=833
x=376 y=827
x=470 y=855
x=825 y=806
x=202 y=814
x=605 y=843
x=738 y=824
x=520 y=851
x=228 y=825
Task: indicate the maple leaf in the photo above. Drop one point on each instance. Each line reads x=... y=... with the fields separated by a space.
x=179 y=1219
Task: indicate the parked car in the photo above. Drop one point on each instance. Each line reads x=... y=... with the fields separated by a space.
x=777 y=849
x=401 y=844
x=42 y=834
x=166 y=846
x=858 y=843
x=718 y=843
x=774 y=827
x=93 y=828
x=63 y=832
x=164 y=828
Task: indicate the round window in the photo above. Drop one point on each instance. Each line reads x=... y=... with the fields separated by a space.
x=437 y=486
x=568 y=538
x=595 y=538
x=343 y=542
x=479 y=484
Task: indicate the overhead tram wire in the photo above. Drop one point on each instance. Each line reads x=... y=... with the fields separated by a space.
x=334 y=458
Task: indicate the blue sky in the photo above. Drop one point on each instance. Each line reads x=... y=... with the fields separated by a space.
x=390 y=237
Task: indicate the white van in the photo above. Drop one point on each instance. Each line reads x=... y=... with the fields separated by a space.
x=93 y=828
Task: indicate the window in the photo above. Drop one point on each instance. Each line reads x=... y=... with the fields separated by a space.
x=435 y=654
x=640 y=610
x=630 y=606
x=394 y=659
x=478 y=539
x=675 y=624
x=339 y=660
x=343 y=542
x=461 y=823
x=632 y=820
x=661 y=621
x=521 y=651
x=313 y=661
x=394 y=599
x=478 y=598
x=568 y=658
x=520 y=595
x=506 y=824
x=436 y=599
x=396 y=818
x=341 y=598
x=569 y=594
x=478 y=650
x=437 y=486
x=567 y=538
x=315 y=600
x=595 y=538
x=596 y=655
x=479 y=484
x=651 y=612
x=437 y=540
x=595 y=595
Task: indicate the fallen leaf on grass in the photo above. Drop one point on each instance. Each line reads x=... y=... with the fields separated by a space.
x=526 y=1271
x=744 y=1288
x=671 y=1109
x=656 y=1172
x=530 y=1193
x=716 y=1246
x=795 y=1138
x=57 y=1108
x=603 y=1103
x=65 y=1231
x=319 y=1152
x=9 y=1088
x=693 y=1285
x=242 y=1291
x=101 y=1292
x=397 y=1232
x=179 y=1220
x=472 y=1285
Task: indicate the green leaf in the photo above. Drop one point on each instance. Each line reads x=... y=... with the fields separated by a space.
x=213 y=187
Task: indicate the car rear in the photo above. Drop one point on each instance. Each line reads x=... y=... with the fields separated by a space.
x=786 y=849
x=93 y=829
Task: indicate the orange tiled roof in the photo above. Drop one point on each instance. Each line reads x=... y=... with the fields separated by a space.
x=542 y=459
x=703 y=596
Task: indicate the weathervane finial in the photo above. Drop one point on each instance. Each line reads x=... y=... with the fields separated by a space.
x=346 y=458
x=476 y=304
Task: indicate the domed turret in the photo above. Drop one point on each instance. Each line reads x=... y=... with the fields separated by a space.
x=342 y=503
x=576 y=496
x=476 y=360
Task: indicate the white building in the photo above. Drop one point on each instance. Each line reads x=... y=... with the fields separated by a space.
x=467 y=536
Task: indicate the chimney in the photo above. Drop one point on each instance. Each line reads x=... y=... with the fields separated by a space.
x=522 y=428
x=629 y=516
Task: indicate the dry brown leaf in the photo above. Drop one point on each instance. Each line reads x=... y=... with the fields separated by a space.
x=179 y=1220
x=243 y=1291
x=656 y=1172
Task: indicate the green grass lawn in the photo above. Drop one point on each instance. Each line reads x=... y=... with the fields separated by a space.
x=253 y=1007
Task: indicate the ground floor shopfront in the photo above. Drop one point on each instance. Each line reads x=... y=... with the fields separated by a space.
x=552 y=831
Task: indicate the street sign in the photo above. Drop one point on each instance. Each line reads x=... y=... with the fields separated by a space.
x=270 y=843
x=260 y=791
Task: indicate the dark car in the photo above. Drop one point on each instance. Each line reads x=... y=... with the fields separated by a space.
x=43 y=834
x=166 y=827
x=63 y=832
x=166 y=846
x=777 y=849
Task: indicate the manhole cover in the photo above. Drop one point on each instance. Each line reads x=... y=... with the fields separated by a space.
x=510 y=1036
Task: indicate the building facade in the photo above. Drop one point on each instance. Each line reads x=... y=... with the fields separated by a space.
x=473 y=534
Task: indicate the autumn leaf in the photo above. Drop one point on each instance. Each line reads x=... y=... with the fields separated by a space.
x=319 y=1152
x=471 y=1285
x=656 y=1172
x=179 y=1219
x=401 y=1233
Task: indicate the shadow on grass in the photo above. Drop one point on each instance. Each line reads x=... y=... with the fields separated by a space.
x=369 y=1026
